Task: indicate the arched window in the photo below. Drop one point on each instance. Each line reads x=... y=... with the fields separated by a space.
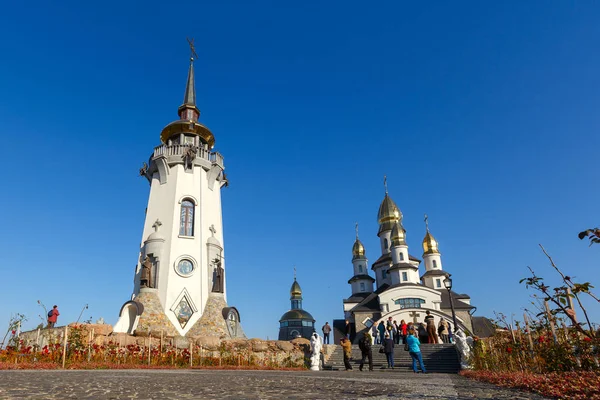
x=410 y=302
x=186 y=222
x=362 y=286
x=360 y=269
x=401 y=256
x=434 y=263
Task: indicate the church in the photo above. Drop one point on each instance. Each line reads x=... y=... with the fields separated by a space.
x=179 y=282
x=403 y=291
x=296 y=322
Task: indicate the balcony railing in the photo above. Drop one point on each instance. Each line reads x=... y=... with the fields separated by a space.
x=180 y=149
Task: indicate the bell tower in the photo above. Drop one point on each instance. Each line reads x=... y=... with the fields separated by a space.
x=181 y=261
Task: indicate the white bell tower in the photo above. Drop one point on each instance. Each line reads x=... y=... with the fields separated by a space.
x=181 y=259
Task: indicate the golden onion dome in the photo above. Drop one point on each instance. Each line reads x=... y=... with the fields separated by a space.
x=430 y=245
x=295 y=290
x=388 y=214
x=358 y=250
x=398 y=235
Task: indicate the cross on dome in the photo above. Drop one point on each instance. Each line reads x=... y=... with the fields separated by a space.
x=156 y=225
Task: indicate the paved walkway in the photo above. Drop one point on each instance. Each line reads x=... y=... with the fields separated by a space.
x=210 y=384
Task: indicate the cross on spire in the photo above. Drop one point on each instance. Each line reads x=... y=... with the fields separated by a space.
x=294 y=272
x=356 y=228
x=192 y=49
x=385 y=183
x=426 y=222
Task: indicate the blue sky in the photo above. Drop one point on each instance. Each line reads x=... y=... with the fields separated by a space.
x=482 y=115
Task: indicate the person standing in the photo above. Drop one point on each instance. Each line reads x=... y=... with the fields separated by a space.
x=381 y=329
x=443 y=330
x=404 y=330
x=388 y=348
x=326 y=330
x=53 y=316
x=422 y=332
x=347 y=329
x=365 y=348
x=397 y=333
x=347 y=348
x=431 y=329
x=390 y=328
x=414 y=349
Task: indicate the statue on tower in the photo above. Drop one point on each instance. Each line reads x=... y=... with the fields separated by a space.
x=218 y=272
x=146 y=276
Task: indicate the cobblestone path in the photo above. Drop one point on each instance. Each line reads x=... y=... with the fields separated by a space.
x=210 y=384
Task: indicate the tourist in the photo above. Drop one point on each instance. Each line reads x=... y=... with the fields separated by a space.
x=374 y=333
x=422 y=331
x=347 y=348
x=450 y=335
x=347 y=329
x=414 y=349
x=53 y=316
x=443 y=330
x=403 y=330
x=431 y=328
x=390 y=327
x=381 y=329
x=388 y=349
x=364 y=345
x=397 y=333
x=326 y=330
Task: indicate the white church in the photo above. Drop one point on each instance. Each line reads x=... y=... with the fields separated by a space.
x=179 y=285
x=403 y=290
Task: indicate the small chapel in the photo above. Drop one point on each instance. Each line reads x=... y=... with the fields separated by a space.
x=180 y=279
x=406 y=287
x=296 y=322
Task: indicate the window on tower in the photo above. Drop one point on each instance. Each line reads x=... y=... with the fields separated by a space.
x=434 y=263
x=383 y=273
x=186 y=223
x=401 y=256
x=404 y=276
x=385 y=244
x=438 y=283
x=362 y=286
x=360 y=269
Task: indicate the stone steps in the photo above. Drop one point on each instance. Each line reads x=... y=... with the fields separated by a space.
x=437 y=358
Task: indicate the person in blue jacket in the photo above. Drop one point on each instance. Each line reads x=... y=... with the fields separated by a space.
x=414 y=349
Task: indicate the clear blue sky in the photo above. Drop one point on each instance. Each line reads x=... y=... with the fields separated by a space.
x=484 y=115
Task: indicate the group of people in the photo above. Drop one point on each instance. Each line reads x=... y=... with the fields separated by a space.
x=365 y=345
x=427 y=332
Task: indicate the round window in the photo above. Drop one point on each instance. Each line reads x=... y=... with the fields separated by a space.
x=185 y=267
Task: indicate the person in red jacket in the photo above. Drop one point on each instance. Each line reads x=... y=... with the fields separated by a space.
x=53 y=316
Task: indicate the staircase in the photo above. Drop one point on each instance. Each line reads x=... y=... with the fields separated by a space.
x=437 y=358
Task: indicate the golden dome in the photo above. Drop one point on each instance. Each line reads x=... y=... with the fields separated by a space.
x=295 y=290
x=430 y=245
x=398 y=235
x=388 y=214
x=188 y=127
x=358 y=250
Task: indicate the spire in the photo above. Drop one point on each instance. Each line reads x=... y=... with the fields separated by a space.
x=190 y=90
x=385 y=184
x=356 y=228
x=188 y=110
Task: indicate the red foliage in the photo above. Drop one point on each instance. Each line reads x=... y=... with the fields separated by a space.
x=565 y=385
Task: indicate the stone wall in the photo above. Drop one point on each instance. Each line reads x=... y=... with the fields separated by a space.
x=153 y=319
